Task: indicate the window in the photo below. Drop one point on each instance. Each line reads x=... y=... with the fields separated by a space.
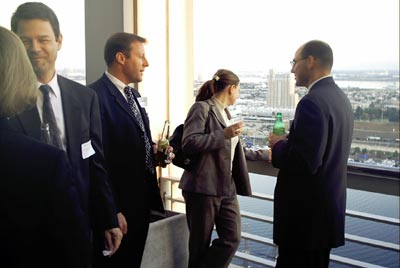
x=257 y=40
x=71 y=16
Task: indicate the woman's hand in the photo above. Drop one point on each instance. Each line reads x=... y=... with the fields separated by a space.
x=233 y=130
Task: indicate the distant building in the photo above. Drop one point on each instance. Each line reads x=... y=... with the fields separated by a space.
x=281 y=93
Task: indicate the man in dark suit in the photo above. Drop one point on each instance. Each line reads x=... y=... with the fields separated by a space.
x=128 y=147
x=42 y=223
x=310 y=193
x=76 y=111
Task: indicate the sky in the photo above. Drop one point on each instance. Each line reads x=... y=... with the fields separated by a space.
x=262 y=34
x=363 y=34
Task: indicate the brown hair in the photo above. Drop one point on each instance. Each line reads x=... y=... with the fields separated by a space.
x=35 y=10
x=120 y=42
x=220 y=80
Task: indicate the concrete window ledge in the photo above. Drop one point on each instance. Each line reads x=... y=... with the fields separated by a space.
x=167 y=243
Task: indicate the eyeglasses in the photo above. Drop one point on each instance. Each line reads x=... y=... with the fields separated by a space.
x=293 y=62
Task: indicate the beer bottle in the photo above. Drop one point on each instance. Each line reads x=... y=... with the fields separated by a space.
x=279 y=126
x=163 y=143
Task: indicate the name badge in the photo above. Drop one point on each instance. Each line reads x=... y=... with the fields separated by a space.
x=142 y=101
x=87 y=149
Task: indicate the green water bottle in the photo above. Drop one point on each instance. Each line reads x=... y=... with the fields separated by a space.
x=279 y=126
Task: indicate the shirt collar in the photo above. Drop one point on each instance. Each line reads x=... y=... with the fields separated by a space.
x=118 y=83
x=219 y=104
x=313 y=83
x=53 y=83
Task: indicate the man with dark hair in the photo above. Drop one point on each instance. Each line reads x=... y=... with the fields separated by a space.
x=72 y=113
x=128 y=146
x=310 y=193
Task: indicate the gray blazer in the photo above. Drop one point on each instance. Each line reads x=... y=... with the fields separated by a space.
x=204 y=134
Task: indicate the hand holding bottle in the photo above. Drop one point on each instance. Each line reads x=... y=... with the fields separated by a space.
x=164 y=150
x=279 y=127
x=274 y=139
x=170 y=154
x=278 y=132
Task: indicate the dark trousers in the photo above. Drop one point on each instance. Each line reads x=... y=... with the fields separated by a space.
x=297 y=257
x=202 y=212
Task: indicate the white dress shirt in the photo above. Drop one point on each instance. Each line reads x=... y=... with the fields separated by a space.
x=118 y=83
x=228 y=122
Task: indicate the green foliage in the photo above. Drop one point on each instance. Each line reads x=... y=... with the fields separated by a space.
x=393 y=114
x=376 y=113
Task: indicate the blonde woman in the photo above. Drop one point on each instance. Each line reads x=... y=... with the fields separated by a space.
x=41 y=222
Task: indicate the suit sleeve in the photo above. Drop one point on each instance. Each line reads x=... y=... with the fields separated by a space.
x=102 y=200
x=304 y=149
x=67 y=217
x=256 y=155
x=196 y=138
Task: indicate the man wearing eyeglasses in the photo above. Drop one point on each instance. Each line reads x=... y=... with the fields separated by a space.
x=310 y=193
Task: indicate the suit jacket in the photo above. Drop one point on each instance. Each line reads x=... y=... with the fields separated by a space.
x=135 y=189
x=204 y=134
x=42 y=223
x=310 y=193
x=82 y=126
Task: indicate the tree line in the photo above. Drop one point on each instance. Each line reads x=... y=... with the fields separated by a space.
x=376 y=113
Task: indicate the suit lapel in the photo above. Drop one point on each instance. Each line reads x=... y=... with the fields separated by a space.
x=72 y=116
x=119 y=99
x=228 y=114
x=142 y=110
x=214 y=110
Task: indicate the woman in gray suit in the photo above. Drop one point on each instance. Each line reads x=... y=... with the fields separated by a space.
x=210 y=188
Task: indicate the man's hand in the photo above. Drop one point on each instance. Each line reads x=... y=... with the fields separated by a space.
x=274 y=139
x=113 y=239
x=123 y=225
x=155 y=148
x=170 y=154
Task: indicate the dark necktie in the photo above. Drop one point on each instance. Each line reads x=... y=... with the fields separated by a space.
x=135 y=109
x=50 y=119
